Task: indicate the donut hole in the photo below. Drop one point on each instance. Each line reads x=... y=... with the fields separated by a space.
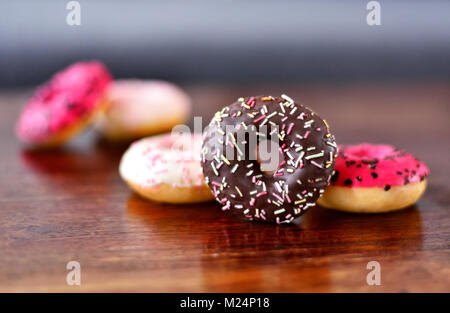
x=268 y=156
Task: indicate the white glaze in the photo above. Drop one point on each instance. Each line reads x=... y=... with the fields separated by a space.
x=171 y=159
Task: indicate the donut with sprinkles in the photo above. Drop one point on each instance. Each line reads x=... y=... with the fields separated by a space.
x=64 y=106
x=306 y=152
x=374 y=178
x=166 y=168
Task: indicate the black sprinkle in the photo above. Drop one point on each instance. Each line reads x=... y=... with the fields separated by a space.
x=387 y=187
x=406 y=170
x=422 y=178
x=374 y=175
x=373 y=167
x=406 y=180
x=335 y=177
x=359 y=178
x=370 y=161
x=348 y=182
x=399 y=173
x=358 y=166
x=418 y=165
x=414 y=172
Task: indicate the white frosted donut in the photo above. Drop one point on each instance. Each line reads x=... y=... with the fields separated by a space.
x=166 y=168
x=139 y=108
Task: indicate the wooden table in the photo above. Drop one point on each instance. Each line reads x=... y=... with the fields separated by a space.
x=70 y=204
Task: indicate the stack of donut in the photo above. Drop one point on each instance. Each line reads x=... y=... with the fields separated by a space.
x=231 y=162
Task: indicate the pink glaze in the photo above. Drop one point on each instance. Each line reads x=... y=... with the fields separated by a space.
x=69 y=97
x=370 y=165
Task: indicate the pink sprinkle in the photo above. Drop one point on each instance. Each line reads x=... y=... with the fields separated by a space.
x=306 y=134
x=290 y=128
x=288 y=199
x=277 y=196
x=261 y=194
x=251 y=102
x=284 y=118
x=252 y=201
x=216 y=184
x=281 y=164
x=278 y=174
x=300 y=117
x=260 y=118
x=283 y=127
x=316 y=164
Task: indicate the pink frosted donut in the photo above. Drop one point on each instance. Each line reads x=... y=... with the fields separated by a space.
x=65 y=105
x=139 y=108
x=373 y=178
x=166 y=168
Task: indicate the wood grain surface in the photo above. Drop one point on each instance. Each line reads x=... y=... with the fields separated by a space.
x=70 y=204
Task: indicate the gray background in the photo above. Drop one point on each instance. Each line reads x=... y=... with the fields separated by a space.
x=228 y=41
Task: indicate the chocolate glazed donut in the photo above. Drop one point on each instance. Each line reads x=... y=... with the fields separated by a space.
x=307 y=152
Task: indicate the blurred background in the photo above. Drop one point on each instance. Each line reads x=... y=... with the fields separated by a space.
x=386 y=83
x=218 y=41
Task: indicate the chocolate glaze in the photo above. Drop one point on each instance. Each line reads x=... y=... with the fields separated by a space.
x=239 y=184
